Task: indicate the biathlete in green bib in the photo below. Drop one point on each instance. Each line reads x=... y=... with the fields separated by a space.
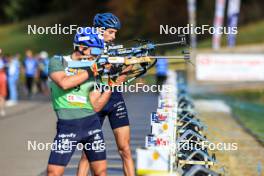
x=75 y=102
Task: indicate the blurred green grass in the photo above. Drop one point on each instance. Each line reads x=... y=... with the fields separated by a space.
x=256 y=96
x=252 y=33
x=248 y=107
x=251 y=116
x=15 y=39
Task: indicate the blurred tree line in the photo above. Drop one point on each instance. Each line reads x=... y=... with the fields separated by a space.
x=139 y=18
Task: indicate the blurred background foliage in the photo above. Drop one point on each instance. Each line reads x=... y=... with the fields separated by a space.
x=139 y=18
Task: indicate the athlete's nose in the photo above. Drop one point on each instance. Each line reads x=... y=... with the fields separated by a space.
x=113 y=37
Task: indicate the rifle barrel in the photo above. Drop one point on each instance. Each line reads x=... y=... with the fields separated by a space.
x=169 y=43
x=168 y=57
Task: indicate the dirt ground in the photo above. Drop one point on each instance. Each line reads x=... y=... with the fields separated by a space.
x=248 y=159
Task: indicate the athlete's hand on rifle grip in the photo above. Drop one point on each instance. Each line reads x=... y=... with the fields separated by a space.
x=97 y=69
x=120 y=79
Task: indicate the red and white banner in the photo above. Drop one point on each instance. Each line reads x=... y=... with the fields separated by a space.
x=230 y=67
x=218 y=22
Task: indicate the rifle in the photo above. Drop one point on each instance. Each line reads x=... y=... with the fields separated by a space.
x=139 y=55
x=142 y=48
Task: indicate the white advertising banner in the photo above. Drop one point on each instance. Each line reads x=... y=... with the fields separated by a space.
x=151 y=161
x=230 y=67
